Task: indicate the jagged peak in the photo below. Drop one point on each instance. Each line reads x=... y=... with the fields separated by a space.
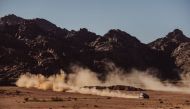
x=83 y=30
x=11 y=19
x=176 y=36
x=119 y=35
x=116 y=32
x=43 y=20
x=176 y=33
x=10 y=16
x=170 y=42
x=45 y=24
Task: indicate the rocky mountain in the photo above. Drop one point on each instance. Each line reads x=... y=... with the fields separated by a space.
x=39 y=46
x=175 y=45
x=169 y=43
x=182 y=57
x=11 y=20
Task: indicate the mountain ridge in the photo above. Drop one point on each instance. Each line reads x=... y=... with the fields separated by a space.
x=39 y=46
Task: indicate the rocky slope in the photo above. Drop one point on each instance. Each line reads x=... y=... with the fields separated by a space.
x=182 y=57
x=169 y=43
x=38 y=46
x=175 y=45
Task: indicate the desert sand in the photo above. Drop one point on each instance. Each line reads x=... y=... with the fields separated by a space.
x=23 y=98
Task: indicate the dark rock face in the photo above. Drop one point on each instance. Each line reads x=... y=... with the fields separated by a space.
x=38 y=46
x=182 y=57
x=170 y=42
x=176 y=46
x=11 y=20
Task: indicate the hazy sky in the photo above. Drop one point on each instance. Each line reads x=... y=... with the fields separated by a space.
x=145 y=19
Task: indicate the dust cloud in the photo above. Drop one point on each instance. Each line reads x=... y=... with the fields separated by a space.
x=75 y=82
x=143 y=79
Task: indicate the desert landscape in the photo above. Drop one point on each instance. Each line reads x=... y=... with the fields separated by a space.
x=23 y=98
x=94 y=54
x=40 y=71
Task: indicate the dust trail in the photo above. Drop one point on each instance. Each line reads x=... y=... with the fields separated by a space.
x=84 y=77
x=147 y=81
x=74 y=83
x=105 y=92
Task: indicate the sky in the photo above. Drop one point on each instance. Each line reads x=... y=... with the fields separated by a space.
x=145 y=19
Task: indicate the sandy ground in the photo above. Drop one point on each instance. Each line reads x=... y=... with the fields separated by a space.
x=22 y=98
